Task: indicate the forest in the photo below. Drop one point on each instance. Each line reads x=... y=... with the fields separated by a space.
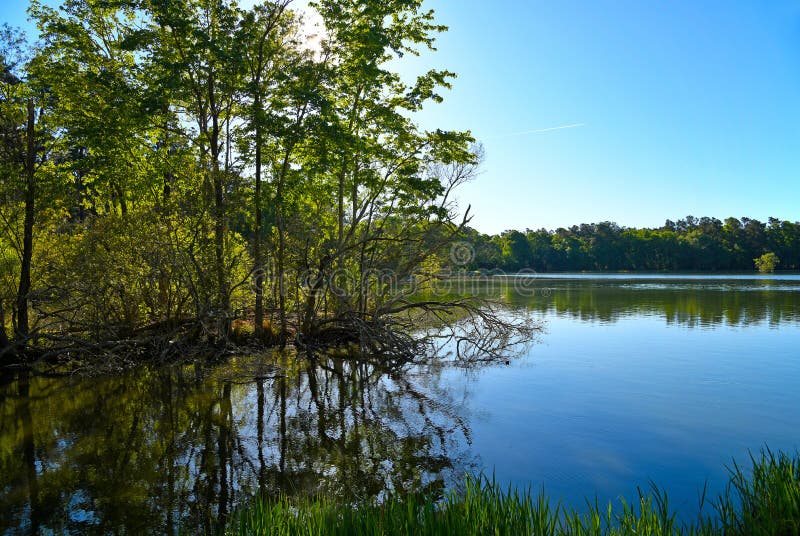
x=689 y=244
x=191 y=173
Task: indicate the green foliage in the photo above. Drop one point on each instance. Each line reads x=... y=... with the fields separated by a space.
x=765 y=500
x=9 y=271
x=767 y=262
x=184 y=147
x=692 y=244
x=117 y=274
x=516 y=251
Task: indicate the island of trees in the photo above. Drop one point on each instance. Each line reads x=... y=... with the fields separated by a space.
x=193 y=173
x=689 y=244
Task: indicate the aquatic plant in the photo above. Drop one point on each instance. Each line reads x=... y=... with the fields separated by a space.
x=764 y=499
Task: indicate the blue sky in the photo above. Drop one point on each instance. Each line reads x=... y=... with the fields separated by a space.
x=688 y=107
x=685 y=107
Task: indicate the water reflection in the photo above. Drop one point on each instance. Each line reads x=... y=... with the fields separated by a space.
x=688 y=302
x=165 y=450
x=160 y=450
x=696 y=306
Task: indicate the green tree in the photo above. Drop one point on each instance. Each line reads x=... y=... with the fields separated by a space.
x=193 y=44
x=166 y=136
x=27 y=137
x=264 y=31
x=516 y=251
x=385 y=186
x=767 y=262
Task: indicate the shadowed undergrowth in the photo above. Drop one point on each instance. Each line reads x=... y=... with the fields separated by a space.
x=761 y=500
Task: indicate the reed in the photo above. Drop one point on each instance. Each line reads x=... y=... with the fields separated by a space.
x=763 y=499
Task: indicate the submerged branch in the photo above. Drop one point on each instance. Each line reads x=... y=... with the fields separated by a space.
x=469 y=330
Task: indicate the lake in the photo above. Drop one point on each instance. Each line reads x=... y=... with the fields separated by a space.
x=633 y=379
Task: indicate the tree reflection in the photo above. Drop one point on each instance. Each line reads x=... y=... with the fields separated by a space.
x=693 y=304
x=159 y=451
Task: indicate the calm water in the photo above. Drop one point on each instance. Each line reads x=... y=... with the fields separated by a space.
x=634 y=379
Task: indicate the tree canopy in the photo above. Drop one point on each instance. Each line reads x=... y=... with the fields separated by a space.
x=689 y=244
x=189 y=168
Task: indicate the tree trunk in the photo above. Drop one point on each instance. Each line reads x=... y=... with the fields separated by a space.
x=4 y=342
x=259 y=264
x=308 y=327
x=282 y=278
x=23 y=328
x=223 y=298
x=281 y=268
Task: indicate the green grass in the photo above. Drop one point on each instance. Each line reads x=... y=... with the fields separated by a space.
x=761 y=500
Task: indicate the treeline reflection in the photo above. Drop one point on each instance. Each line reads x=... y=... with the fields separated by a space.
x=692 y=305
x=690 y=302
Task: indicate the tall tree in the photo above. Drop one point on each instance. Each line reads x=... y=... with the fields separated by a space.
x=264 y=32
x=23 y=102
x=387 y=178
x=194 y=40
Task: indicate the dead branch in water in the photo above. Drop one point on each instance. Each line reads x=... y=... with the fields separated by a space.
x=470 y=330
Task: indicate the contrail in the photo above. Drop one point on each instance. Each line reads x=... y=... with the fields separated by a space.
x=524 y=132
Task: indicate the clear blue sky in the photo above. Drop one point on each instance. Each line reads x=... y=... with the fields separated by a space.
x=685 y=107
x=688 y=107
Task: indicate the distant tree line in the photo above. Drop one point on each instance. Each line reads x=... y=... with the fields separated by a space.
x=689 y=244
